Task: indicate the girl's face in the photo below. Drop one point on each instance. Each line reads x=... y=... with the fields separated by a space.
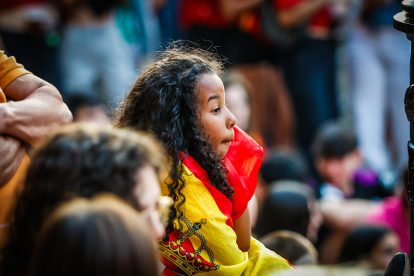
x=217 y=120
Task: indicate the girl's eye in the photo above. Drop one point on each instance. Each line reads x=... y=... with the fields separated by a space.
x=216 y=110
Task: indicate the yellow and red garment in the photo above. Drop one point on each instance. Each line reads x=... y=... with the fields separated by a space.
x=204 y=240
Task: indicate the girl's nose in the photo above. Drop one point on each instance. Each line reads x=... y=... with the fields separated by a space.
x=231 y=120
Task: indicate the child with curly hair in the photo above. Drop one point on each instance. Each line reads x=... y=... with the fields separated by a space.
x=213 y=168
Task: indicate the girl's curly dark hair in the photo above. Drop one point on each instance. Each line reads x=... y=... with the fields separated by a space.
x=76 y=161
x=164 y=101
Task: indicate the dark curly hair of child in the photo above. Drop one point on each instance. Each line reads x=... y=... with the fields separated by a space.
x=164 y=101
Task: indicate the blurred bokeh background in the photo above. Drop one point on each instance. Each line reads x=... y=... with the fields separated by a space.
x=318 y=83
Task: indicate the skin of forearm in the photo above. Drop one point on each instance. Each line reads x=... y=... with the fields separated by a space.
x=36 y=115
x=11 y=152
x=345 y=215
x=241 y=227
x=299 y=14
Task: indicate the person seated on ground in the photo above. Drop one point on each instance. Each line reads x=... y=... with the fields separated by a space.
x=283 y=210
x=297 y=249
x=394 y=213
x=345 y=199
x=87 y=108
x=29 y=109
x=283 y=164
x=82 y=161
x=315 y=215
x=370 y=247
x=102 y=236
x=339 y=162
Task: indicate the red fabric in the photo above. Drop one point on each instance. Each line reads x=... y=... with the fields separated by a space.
x=182 y=251
x=207 y=13
x=243 y=161
x=321 y=19
x=202 y=12
x=10 y=4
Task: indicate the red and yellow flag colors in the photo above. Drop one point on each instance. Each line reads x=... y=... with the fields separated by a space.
x=204 y=240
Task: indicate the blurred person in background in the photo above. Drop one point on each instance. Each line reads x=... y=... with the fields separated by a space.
x=96 y=237
x=87 y=108
x=29 y=109
x=315 y=214
x=369 y=247
x=168 y=11
x=394 y=213
x=245 y=104
x=281 y=165
x=290 y=245
x=283 y=210
x=28 y=31
x=350 y=191
x=340 y=164
x=379 y=71
x=140 y=24
x=231 y=25
x=82 y=161
x=309 y=63
x=95 y=57
x=238 y=98
x=233 y=28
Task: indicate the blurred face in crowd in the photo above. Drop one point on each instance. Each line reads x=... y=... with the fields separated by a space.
x=148 y=193
x=217 y=120
x=238 y=103
x=384 y=251
x=92 y=114
x=339 y=171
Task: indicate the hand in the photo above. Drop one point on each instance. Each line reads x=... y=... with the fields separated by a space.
x=399 y=266
x=11 y=151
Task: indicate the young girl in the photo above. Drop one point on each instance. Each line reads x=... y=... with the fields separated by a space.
x=213 y=168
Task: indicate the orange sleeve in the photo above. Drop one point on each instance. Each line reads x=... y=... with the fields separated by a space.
x=9 y=70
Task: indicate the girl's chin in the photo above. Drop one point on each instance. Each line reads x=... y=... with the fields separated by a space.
x=223 y=149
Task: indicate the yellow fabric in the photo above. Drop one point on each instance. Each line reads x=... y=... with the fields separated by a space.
x=220 y=238
x=9 y=70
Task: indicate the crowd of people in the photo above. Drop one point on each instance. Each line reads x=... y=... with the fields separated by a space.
x=177 y=137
